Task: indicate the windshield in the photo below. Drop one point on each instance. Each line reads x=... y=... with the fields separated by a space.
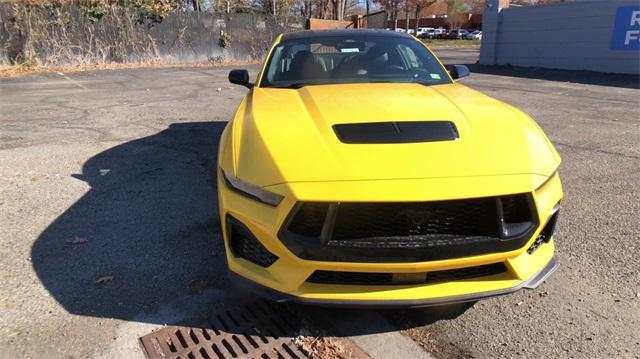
x=351 y=59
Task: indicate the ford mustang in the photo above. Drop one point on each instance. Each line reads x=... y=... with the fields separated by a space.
x=358 y=171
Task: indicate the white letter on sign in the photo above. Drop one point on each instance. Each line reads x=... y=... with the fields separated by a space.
x=631 y=36
x=635 y=18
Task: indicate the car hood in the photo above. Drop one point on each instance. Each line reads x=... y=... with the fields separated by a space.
x=286 y=135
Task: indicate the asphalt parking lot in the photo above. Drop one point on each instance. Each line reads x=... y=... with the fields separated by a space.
x=109 y=229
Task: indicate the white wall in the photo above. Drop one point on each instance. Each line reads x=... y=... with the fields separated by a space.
x=575 y=36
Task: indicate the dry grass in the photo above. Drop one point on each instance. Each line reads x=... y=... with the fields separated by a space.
x=451 y=43
x=12 y=71
x=78 y=38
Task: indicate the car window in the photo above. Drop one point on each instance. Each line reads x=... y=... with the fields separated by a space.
x=351 y=59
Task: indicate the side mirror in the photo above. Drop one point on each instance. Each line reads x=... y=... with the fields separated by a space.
x=459 y=71
x=240 y=77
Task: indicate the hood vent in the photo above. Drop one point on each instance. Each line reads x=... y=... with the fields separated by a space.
x=396 y=132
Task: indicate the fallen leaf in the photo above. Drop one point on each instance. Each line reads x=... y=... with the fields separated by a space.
x=104 y=279
x=77 y=240
x=37 y=178
x=8 y=306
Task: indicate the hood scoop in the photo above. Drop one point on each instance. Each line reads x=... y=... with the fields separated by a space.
x=396 y=132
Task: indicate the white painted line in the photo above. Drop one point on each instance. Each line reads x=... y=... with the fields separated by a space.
x=72 y=80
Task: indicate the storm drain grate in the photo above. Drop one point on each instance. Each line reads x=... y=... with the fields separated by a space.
x=261 y=330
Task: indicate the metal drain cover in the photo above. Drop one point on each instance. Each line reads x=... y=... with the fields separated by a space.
x=261 y=330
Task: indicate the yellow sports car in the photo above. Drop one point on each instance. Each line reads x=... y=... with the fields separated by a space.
x=357 y=171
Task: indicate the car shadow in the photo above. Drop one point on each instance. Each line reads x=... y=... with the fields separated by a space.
x=581 y=77
x=345 y=322
x=145 y=239
x=144 y=234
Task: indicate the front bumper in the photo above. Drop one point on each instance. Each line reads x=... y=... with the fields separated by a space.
x=286 y=279
x=280 y=297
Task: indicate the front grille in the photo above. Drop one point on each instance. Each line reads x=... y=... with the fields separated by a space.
x=408 y=220
x=309 y=220
x=515 y=209
x=244 y=245
x=358 y=278
x=409 y=232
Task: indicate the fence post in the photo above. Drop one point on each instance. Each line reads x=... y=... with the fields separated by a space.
x=490 y=30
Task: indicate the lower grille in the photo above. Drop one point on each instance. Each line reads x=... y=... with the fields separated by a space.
x=244 y=245
x=331 y=277
x=357 y=278
x=466 y=273
x=546 y=233
x=409 y=232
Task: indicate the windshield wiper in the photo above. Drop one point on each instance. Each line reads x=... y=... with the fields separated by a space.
x=296 y=85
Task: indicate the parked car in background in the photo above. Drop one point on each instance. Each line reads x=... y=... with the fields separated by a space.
x=424 y=30
x=431 y=33
x=475 y=35
x=444 y=34
x=457 y=34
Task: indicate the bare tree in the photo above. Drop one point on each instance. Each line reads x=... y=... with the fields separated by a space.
x=306 y=8
x=417 y=6
x=406 y=16
x=391 y=7
x=457 y=13
x=339 y=8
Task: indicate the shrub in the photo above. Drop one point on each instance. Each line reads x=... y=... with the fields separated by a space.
x=224 y=41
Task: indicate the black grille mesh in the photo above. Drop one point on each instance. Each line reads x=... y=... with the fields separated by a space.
x=358 y=278
x=515 y=209
x=465 y=273
x=331 y=277
x=409 y=231
x=396 y=132
x=366 y=220
x=245 y=245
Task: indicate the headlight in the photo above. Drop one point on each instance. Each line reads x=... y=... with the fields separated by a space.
x=251 y=191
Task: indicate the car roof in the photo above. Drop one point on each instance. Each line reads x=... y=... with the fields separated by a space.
x=310 y=34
